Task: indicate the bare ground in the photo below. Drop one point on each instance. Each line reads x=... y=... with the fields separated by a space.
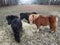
x=30 y=37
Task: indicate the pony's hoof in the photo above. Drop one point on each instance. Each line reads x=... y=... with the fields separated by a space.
x=38 y=30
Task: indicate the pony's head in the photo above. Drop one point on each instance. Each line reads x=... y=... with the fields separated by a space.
x=32 y=18
x=10 y=18
x=26 y=15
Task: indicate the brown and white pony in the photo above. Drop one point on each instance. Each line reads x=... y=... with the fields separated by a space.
x=41 y=20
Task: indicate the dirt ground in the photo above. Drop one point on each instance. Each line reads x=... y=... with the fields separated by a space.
x=29 y=36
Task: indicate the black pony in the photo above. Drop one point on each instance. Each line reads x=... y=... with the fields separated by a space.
x=16 y=26
x=26 y=15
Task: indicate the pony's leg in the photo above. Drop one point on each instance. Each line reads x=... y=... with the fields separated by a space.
x=38 y=26
x=54 y=26
x=53 y=29
x=37 y=30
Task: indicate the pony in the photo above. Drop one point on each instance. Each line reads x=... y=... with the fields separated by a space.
x=26 y=15
x=16 y=26
x=41 y=20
